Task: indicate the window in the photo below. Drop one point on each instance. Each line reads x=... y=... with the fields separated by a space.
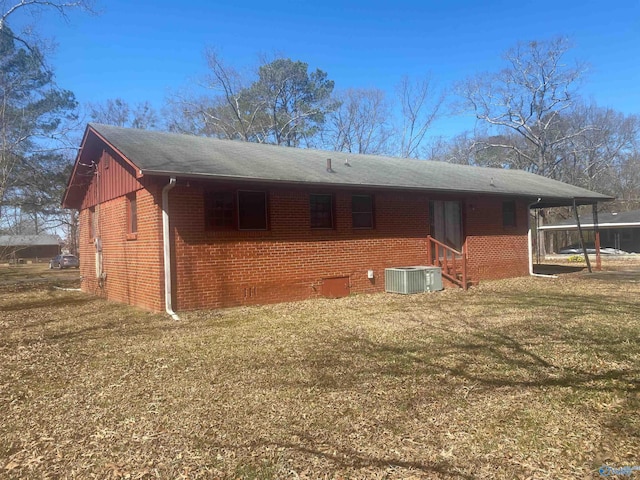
x=321 y=211
x=132 y=213
x=219 y=208
x=446 y=222
x=93 y=222
x=362 y=211
x=244 y=210
x=509 y=213
x=252 y=210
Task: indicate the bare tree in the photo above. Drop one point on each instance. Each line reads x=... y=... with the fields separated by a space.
x=459 y=149
x=360 y=124
x=231 y=113
x=27 y=37
x=420 y=105
x=529 y=97
x=111 y=112
x=594 y=158
x=119 y=113
x=627 y=187
x=467 y=149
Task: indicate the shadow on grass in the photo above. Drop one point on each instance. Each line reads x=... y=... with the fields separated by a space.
x=625 y=422
x=489 y=353
x=563 y=307
x=120 y=329
x=345 y=457
x=52 y=302
x=548 y=269
x=74 y=318
x=616 y=276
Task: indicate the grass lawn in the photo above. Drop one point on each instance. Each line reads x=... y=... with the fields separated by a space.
x=524 y=378
x=36 y=274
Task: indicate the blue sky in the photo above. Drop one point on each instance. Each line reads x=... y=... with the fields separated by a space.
x=144 y=49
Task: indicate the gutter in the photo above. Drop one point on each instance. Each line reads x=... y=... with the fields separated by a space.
x=530 y=244
x=555 y=200
x=167 y=248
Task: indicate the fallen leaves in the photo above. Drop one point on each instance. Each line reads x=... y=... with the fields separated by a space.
x=522 y=378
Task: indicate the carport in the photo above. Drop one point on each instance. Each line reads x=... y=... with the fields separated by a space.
x=619 y=230
x=575 y=224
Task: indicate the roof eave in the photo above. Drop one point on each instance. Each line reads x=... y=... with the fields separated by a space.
x=65 y=198
x=544 y=202
x=118 y=151
x=86 y=138
x=551 y=202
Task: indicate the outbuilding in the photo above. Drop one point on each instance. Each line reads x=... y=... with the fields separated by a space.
x=618 y=231
x=28 y=248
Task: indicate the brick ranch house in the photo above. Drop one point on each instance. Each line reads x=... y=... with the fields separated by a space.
x=178 y=222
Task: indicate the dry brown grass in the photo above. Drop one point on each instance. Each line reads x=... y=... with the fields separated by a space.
x=21 y=277
x=526 y=378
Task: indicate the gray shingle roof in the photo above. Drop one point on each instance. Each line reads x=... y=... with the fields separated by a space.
x=159 y=153
x=632 y=217
x=28 y=240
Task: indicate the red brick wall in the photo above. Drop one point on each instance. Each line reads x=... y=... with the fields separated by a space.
x=133 y=264
x=494 y=251
x=290 y=260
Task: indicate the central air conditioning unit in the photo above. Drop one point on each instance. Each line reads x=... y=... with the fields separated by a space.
x=412 y=279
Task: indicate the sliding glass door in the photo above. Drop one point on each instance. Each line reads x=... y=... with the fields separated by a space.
x=446 y=222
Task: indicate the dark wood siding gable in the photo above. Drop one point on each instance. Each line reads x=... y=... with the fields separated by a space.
x=112 y=178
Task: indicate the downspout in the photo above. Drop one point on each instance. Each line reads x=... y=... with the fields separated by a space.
x=166 y=240
x=530 y=244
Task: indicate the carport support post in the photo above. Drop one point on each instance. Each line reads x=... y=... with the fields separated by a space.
x=584 y=249
x=596 y=231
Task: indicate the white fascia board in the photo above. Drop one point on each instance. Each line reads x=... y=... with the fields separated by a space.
x=589 y=225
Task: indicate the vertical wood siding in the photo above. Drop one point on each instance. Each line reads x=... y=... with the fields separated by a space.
x=112 y=177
